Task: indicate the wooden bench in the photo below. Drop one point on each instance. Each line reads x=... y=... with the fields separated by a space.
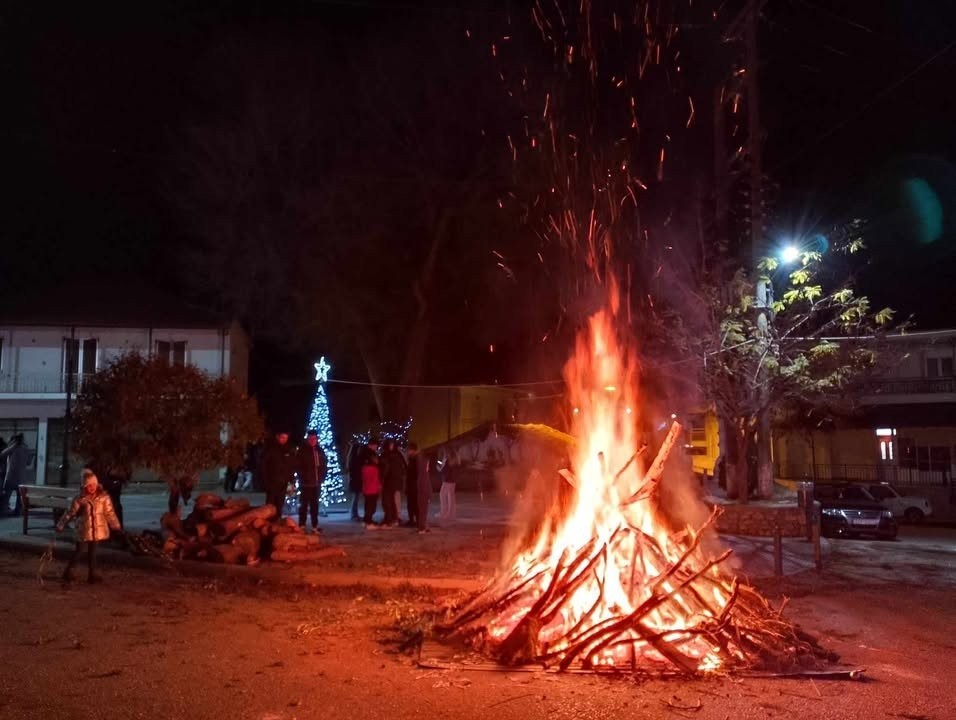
x=45 y=496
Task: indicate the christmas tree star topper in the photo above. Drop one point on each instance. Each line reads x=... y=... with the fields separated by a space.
x=322 y=370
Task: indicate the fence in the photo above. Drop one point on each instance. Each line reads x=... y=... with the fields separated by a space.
x=865 y=474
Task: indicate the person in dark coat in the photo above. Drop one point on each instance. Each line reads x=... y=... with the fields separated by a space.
x=278 y=470
x=312 y=465
x=418 y=486
x=18 y=457
x=114 y=479
x=411 y=484
x=393 y=480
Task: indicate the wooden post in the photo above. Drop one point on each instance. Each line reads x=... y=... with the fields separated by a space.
x=777 y=552
x=24 y=507
x=815 y=527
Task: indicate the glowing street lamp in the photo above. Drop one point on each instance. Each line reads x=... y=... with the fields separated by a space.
x=789 y=254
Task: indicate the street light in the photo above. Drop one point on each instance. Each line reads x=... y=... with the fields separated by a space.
x=789 y=254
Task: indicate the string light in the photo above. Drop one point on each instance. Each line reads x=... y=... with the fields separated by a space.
x=386 y=430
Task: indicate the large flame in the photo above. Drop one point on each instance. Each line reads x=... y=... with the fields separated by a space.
x=614 y=524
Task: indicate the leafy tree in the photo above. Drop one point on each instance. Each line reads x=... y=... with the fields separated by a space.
x=809 y=349
x=175 y=420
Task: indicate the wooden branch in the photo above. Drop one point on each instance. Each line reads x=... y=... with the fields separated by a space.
x=653 y=476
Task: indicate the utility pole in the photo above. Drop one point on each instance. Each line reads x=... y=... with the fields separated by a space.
x=764 y=292
x=744 y=26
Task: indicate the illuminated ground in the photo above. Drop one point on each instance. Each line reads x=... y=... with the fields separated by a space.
x=154 y=646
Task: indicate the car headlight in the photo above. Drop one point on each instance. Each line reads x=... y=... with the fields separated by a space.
x=832 y=512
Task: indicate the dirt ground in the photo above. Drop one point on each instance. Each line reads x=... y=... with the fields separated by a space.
x=157 y=646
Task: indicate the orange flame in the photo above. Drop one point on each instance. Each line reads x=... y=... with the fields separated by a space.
x=614 y=523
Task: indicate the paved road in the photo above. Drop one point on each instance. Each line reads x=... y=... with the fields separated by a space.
x=471 y=546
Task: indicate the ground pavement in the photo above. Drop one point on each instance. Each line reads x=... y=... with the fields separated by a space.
x=160 y=645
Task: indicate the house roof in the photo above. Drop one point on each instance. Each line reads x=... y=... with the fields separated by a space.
x=104 y=305
x=544 y=433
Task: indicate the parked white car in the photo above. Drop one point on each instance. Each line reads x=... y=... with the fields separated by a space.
x=911 y=508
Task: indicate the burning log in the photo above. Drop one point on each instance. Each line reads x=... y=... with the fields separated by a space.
x=607 y=585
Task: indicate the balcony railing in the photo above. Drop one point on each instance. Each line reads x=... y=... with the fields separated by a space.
x=913 y=386
x=865 y=474
x=54 y=383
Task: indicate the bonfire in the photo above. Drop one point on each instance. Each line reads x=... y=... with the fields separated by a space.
x=609 y=584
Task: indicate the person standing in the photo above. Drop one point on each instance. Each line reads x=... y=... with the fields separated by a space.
x=312 y=466
x=115 y=479
x=181 y=489
x=371 y=487
x=95 y=518
x=393 y=478
x=278 y=468
x=411 y=484
x=446 y=497
x=419 y=487
x=18 y=457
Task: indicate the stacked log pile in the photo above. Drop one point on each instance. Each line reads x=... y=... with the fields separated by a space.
x=230 y=531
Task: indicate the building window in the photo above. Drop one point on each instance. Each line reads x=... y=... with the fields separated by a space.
x=939 y=367
x=171 y=352
x=886 y=438
x=933 y=458
x=698 y=430
x=80 y=356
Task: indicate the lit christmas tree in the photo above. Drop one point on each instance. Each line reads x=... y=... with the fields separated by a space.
x=320 y=420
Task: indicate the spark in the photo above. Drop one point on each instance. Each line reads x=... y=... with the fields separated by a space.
x=690 y=118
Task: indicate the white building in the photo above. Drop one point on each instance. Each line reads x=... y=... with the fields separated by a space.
x=36 y=351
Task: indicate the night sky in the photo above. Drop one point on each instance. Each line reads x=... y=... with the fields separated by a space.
x=857 y=99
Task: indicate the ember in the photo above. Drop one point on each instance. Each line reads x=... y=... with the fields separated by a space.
x=609 y=584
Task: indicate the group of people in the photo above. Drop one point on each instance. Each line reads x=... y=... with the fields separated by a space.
x=376 y=472
x=282 y=462
x=387 y=473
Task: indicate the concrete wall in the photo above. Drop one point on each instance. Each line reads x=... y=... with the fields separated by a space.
x=39 y=350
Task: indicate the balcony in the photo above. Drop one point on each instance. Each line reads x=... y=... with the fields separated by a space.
x=914 y=386
x=37 y=383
